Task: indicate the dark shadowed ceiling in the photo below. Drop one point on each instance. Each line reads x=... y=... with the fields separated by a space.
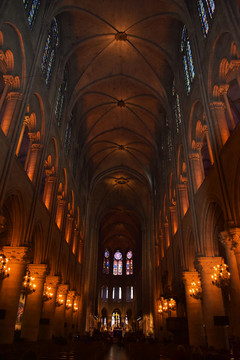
x=121 y=57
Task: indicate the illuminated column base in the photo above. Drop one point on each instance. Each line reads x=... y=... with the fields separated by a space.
x=48 y=310
x=194 y=311
x=213 y=308
x=59 y=317
x=33 y=307
x=10 y=292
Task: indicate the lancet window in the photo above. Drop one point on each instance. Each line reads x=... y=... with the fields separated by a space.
x=31 y=8
x=206 y=9
x=60 y=100
x=106 y=262
x=117 y=263
x=68 y=137
x=129 y=263
x=176 y=108
x=186 y=51
x=49 y=54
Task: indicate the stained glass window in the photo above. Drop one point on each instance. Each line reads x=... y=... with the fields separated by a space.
x=189 y=71
x=68 y=137
x=129 y=293
x=60 y=100
x=129 y=263
x=203 y=17
x=211 y=7
x=176 y=108
x=31 y=7
x=49 y=54
x=106 y=263
x=104 y=293
x=117 y=263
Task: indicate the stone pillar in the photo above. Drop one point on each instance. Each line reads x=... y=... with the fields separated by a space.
x=194 y=311
x=49 y=188
x=12 y=99
x=33 y=306
x=68 y=229
x=60 y=211
x=10 y=291
x=48 y=310
x=220 y=123
x=212 y=302
x=33 y=162
x=183 y=198
x=228 y=242
x=69 y=314
x=76 y=313
x=166 y=236
x=173 y=213
x=223 y=90
x=59 y=317
x=197 y=169
x=235 y=235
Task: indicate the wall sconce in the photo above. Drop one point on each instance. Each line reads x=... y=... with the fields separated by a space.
x=59 y=300
x=195 y=290
x=221 y=277
x=47 y=295
x=28 y=286
x=4 y=269
x=68 y=304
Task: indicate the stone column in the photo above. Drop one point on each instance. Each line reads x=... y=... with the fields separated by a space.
x=197 y=169
x=33 y=162
x=76 y=313
x=12 y=99
x=49 y=188
x=235 y=235
x=69 y=313
x=220 y=123
x=183 y=198
x=228 y=242
x=59 y=317
x=68 y=229
x=194 y=311
x=173 y=213
x=60 y=211
x=33 y=306
x=48 y=310
x=10 y=291
x=212 y=302
x=223 y=90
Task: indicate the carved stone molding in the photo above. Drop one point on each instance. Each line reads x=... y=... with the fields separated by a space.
x=231 y=238
x=62 y=289
x=206 y=264
x=37 y=270
x=52 y=281
x=16 y=254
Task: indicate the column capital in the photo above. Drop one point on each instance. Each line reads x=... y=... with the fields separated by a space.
x=223 y=89
x=217 y=105
x=63 y=289
x=16 y=254
x=194 y=155
x=52 y=280
x=189 y=277
x=205 y=264
x=71 y=294
x=231 y=238
x=14 y=96
x=37 y=270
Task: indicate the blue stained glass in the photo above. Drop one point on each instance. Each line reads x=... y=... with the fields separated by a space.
x=118 y=255
x=119 y=267
x=211 y=7
x=184 y=38
x=49 y=54
x=25 y=3
x=187 y=79
x=129 y=254
x=203 y=17
x=115 y=267
x=106 y=254
x=190 y=61
x=60 y=101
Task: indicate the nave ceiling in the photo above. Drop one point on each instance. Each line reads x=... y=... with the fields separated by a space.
x=120 y=58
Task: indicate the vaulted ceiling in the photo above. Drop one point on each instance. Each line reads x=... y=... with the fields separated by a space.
x=121 y=57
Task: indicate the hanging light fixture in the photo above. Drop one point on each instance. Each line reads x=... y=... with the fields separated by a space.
x=68 y=304
x=59 y=300
x=47 y=294
x=221 y=277
x=75 y=307
x=28 y=286
x=160 y=307
x=195 y=290
x=4 y=269
x=172 y=304
x=165 y=305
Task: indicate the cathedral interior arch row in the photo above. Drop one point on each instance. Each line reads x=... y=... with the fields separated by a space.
x=119 y=168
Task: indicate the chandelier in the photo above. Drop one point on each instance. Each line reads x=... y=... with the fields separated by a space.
x=68 y=304
x=59 y=300
x=172 y=304
x=160 y=307
x=47 y=295
x=75 y=307
x=4 y=269
x=221 y=277
x=165 y=305
x=28 y=286
x=195 y=290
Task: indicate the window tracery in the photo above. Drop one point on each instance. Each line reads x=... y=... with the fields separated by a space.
x=117 y=263
x=186 y=51
x=60 y=100
x=31 y=8
x=129 y=263
x=106 y=262
x=206 y=10
x=49 y=54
